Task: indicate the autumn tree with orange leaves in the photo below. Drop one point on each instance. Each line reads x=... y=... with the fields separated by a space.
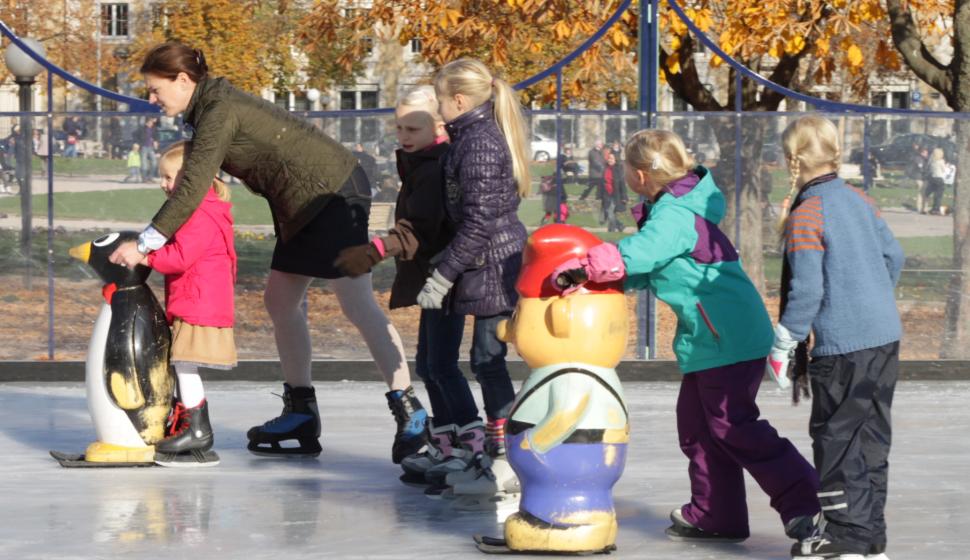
x=516 y=38
x=68 y=31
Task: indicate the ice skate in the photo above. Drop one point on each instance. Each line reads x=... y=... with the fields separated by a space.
x=877 y=552
x=494 y=487
x=437 y=450
x=412 y=421
x=300 y=421
x=189 y=440
x=823 y=547
x=469 y=440
x=682 y=530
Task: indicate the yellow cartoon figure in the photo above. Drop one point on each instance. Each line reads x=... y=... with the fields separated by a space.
x=568 y=429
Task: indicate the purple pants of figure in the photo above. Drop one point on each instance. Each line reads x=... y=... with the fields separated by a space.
x=572 y=478
x=720 y=433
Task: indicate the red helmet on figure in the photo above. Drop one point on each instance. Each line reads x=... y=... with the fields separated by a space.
x=547 y=248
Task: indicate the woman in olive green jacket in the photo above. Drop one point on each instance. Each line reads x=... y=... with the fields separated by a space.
x=320 y=201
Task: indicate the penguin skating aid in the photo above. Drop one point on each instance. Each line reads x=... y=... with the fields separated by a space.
x=127 y=378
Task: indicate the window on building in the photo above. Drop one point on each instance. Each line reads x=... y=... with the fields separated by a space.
x=359 y=129
x=884 y=129
x=300 y=101
x=159 y=17
x=415 y=46
x=282 y=99
x=348 y=100
x=614 y=100
x=114 y=20
x=368 y=45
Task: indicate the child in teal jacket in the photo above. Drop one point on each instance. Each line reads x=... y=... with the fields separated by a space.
x=723 y=336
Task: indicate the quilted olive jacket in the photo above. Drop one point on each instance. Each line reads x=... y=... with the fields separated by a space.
x=280 y=157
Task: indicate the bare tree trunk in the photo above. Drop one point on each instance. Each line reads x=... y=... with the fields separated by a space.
x=744 y=202
x=956 y=338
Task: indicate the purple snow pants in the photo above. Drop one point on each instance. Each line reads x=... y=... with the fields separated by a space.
x=720 y=433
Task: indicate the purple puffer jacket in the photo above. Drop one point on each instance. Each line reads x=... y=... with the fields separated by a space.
x=484 y=258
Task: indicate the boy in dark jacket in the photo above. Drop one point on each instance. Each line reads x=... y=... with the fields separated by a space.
x=420 y=233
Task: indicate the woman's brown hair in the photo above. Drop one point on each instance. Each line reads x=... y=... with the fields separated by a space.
x=169 y=59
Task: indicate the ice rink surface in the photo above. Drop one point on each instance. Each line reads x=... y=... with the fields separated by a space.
x=349 y=503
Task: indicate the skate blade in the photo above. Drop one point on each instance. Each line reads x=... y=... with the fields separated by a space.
x=284 y=452
x=189 y=460
x=716 y=539
x=293 y=456
x=413 y=482
x=437 y=492
x=492 y=545
x=76 y=461
x=487 y=502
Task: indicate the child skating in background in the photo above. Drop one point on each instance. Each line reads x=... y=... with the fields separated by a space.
x=723 y=335
x=134 y=165
x=420 y=232
x=486 y=176
x=199 y=264
x=841 y=266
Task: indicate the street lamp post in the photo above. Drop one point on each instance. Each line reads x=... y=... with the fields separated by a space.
x=25 y=70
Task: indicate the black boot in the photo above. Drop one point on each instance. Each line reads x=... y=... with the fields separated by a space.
x=682 y=530
x=189 y=429
x=300 y=420
x=825 y=546
x=190 y=439
x=412 y=422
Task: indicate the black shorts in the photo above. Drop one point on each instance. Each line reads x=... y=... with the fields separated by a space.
x=340 y=224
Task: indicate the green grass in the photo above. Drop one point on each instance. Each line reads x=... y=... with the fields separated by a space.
x=922 y=280
x=84 y=166
x=131 y=205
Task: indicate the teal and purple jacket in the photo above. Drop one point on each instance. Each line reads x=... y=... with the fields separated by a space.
x=681 y=256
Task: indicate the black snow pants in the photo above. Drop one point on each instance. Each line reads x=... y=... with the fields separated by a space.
x=851 y=434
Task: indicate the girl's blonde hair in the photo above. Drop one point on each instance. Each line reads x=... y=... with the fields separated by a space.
x=175 y=154
x=423 y=98
x=810 y=142
x=937 y=154
x=472 y=79
x=660 y=154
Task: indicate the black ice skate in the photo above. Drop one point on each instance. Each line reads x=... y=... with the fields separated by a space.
x=412 y=423
x=823 y=546
x=682 y=530
x=300 y=421
x=189 y=441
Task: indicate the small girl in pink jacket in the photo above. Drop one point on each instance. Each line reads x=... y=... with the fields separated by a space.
x=199 y=264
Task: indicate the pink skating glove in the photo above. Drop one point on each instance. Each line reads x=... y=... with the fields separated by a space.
x=603 y=263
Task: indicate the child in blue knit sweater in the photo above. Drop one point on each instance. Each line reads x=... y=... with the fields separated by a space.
x=838 y=278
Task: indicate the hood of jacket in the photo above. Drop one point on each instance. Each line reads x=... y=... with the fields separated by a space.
x=696 y=192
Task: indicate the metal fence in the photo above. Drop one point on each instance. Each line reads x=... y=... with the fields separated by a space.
x=82 y=186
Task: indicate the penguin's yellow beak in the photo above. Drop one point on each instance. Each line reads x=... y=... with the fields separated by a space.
x=82 y=252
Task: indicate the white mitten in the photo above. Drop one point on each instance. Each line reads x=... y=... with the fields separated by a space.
x=780 y=356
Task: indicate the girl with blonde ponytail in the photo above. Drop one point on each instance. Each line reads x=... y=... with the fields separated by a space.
x=486 y=175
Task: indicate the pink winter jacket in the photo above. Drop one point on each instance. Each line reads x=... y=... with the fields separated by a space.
x=199 y=264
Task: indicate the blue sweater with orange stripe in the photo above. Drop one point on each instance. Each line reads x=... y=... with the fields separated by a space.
x=845 y=264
